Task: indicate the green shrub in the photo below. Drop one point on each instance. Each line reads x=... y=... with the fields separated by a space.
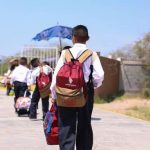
x=109 y=98
x=99 y=100
x=146 y=92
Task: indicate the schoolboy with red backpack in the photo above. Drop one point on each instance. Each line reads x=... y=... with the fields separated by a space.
x=77 y=73
x=41 y=77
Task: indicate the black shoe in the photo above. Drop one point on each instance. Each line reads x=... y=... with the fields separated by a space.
x=15 y=108
x=43 y=117
x=32 y=117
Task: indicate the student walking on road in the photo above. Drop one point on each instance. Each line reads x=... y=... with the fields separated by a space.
x=37 y=69
x=7 y=76
x=20 y=78
x=74 y=95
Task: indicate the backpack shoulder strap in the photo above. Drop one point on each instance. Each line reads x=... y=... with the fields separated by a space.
x=84 y=56
x=68 y=55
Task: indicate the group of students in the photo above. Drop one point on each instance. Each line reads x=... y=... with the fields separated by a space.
x=23 y=77
x=74 y=122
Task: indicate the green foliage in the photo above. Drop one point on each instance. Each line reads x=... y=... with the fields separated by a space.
x=142 y=49
x=3 y=68
x=118 y=53
x=99 y=100
x=125 y=52
x=146 y=92
x=109 y=98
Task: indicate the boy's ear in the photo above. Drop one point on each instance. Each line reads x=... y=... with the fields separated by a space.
x=88 y=38
x=73 y=39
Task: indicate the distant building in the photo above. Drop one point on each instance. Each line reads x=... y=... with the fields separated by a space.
x=44 y=53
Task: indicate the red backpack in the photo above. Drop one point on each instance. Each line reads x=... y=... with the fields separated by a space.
x=44 y=82
x=70 y=81
x=51 y=126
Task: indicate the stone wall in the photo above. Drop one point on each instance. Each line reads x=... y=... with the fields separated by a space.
x=123 y=75
x=132 y=76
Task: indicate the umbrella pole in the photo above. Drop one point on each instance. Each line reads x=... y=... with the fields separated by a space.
x=60 y=43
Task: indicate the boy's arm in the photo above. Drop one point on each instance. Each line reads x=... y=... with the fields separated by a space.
x=98 y=72
x=34 y=75
x=7 y=73
x=29 y=78
x=13 y=77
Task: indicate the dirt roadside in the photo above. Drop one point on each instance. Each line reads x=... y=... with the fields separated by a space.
x=122 y=106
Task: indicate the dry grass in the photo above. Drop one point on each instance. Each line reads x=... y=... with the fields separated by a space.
x=142 y=112
x=136 y=107
x=2 y=88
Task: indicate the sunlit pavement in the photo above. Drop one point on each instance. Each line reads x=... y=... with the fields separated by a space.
x=111 y=131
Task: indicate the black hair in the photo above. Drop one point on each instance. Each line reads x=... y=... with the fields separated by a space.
x=14 y=64
x=46 y=63
x=35 y=62
x=80 y=32
x=23 y=61
x=66 y=47
x=12 y=67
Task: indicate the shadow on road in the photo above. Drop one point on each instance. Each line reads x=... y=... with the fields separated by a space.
x=95 y=119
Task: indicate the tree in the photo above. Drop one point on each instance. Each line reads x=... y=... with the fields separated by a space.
x=125 y=52
x=142 y=50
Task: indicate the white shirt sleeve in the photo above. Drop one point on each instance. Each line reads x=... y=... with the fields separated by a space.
x=7 y=73
x=47 y=69
x=98 y=73
x=34 y=74
x=59 y=65
x=28 y=78
x=13 y=76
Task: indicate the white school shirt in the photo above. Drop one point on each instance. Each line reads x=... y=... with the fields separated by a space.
x=22 y=74
x=77 y=50
x=7 y=73
x=36 y=72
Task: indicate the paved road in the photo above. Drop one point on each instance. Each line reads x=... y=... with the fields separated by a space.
x=111 y=131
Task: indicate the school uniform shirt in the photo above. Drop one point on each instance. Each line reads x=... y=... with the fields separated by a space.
x=7 y=73
x=7 y=77
x=36 y=72
x=77 y=50
x=22 y=74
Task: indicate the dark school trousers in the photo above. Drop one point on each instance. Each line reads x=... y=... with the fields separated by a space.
x=75 y=124
x=19 y=89
x=8 y=89
x=34 y=102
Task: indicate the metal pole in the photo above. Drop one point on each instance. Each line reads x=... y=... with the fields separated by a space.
x=60 y=43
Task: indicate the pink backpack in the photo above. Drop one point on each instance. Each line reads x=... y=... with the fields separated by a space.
x=70 y=82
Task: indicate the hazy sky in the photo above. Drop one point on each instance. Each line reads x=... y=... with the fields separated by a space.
x=112 y=23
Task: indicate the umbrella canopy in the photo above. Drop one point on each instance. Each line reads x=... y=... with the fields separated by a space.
x=56 y=31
